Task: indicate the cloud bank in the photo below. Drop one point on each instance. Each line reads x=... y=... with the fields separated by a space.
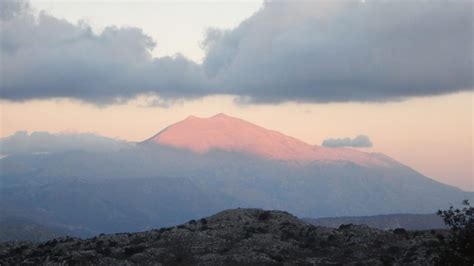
x=360 y=141
x=46 y=57
x=287 y=51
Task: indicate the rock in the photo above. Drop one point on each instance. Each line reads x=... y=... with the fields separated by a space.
x=238 y=236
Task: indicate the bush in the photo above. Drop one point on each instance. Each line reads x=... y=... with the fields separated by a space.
x=264 y=216
x=460 y=245
x=345 y=226
x=400 y=231
x=132 y=250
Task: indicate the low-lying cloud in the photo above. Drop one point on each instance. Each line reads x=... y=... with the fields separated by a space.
x=360 y=141
x=287 y=51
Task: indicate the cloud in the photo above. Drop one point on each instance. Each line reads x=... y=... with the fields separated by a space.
x=10 y=9
x=360 y=141
x=346 y=51
x=287 y=51
x=46 y=57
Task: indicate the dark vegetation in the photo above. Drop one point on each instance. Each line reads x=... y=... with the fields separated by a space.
x=459 y=245
x=240 y=237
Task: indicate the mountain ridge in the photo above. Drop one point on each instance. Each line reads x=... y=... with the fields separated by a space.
x=229 y=133
x=408 y=221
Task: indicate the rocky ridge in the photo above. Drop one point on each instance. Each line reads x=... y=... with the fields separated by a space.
x=238 y=236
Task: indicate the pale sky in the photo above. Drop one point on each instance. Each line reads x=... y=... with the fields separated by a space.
x=432 y=134
x=177 y=26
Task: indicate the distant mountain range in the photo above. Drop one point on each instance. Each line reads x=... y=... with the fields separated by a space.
x=21 y=229
x=88 y=184
x=385 y=222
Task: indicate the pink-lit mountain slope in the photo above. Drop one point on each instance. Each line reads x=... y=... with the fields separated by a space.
x=236 y=135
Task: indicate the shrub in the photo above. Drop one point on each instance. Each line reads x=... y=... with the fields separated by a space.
x=459 y=247
x=400 y=231
x=264 y=216
x=131 y=250
x=345 y=226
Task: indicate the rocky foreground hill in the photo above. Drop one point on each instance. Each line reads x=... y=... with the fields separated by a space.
x=238 y=236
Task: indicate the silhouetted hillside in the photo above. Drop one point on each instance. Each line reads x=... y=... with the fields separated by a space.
x=236 y=237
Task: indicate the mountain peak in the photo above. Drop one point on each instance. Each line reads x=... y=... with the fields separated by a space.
x=233 y=134
x=216 y=116
x=191 y=117
x=221 y=115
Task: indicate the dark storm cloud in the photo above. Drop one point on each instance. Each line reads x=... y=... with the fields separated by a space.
x=361 y=141
x=287 y=51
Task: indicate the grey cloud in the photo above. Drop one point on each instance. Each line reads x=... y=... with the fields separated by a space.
x=45 y=57
x=347 y=51
x=359 y=141
x=10 y=9
x=287 y=51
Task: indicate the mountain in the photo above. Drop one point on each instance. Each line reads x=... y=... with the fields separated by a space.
x=124 y=187
x=232 y=134
x=390 y=221
x=21 y=229
x=237 y=237
x=43 y=142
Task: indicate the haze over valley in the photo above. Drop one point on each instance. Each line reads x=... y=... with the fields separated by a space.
x=195 y=168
